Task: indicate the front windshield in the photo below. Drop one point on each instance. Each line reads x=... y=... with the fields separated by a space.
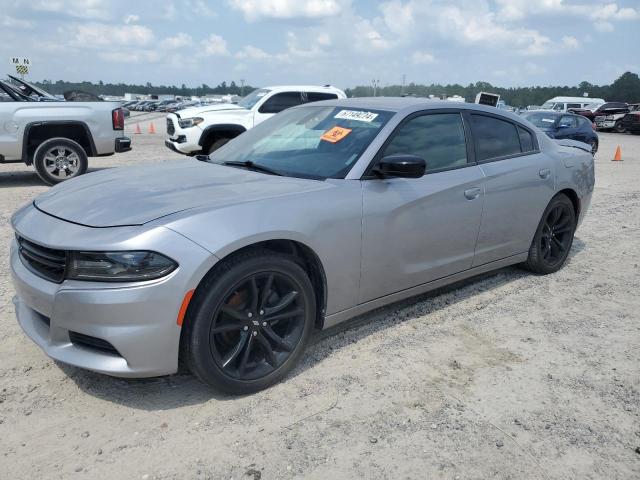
x=592 y=106
x=254 y=97
x=315 y=142
x=548 y=106
x=541 y=119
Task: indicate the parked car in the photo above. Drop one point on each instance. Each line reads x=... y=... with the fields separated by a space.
x=631 y=121
x=564 y=104
x=230 y=261
x=55 y=136
x=205 y=129
x=593 y=110
x=565 y=125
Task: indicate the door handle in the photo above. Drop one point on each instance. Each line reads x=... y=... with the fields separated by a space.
x=472 y=193
x=544 y=173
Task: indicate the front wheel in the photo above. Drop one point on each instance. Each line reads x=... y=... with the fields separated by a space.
x=251 y=322
x=217 y=144
x=553 y=239
x=618 y=127
x=59 y=159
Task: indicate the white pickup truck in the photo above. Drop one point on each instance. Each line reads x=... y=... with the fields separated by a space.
x=54 y=135
x=205 y=129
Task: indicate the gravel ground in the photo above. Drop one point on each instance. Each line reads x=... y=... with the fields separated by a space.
x=507 y=376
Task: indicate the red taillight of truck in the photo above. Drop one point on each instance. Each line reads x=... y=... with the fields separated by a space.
x=118 y=119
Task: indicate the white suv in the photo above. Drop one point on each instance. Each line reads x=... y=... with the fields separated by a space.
x=205 y=129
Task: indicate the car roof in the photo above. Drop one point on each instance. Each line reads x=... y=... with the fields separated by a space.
x=306 y=88
x=410 y=104
x=575 y=100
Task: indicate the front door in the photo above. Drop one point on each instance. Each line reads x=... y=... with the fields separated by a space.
x=415 y=230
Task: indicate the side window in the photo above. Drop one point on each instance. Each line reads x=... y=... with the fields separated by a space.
x=568 y=121
x=318 y=96
x=526 y=140
x=437 y=138
x=584 y=123
x=494 y=137
x=574 y=105
x=281 y=101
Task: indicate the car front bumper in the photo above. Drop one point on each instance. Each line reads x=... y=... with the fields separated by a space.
x=137 y=319
x=606 y=124
x=182 y=140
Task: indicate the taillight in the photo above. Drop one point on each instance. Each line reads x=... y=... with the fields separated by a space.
x=118 y=119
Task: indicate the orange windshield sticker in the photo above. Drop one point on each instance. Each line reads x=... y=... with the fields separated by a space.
x=335 y=134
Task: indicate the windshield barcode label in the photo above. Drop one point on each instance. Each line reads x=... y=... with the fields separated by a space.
x=356 y=115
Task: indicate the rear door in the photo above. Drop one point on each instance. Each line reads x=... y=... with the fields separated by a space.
x=415 y=230
x=276 y=103
x=518 y=186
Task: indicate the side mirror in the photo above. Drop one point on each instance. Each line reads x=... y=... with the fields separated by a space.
x=401 y=165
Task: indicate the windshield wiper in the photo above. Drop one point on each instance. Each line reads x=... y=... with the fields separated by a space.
x=249 y=165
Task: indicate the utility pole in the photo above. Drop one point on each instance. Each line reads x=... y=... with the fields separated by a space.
x=404 y=79
x=242 y=87
x=375 y=84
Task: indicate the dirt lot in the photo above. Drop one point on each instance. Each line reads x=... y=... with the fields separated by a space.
x=507 y=376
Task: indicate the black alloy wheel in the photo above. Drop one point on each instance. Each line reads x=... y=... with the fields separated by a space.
x=554 y=237
x=258 y=325
x=249 y=321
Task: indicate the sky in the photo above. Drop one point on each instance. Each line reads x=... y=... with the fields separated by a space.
x=339 y=42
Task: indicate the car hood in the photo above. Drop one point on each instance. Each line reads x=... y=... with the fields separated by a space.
x=194 y=111
x=137 y=195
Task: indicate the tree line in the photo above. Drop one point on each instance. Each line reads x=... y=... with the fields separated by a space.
x=119 y=89
x=624 y=89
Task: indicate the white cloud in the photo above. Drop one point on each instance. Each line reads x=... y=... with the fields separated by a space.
x=131 y=19
x=215 y=45
x=366 y=37
x=178 y=41
x=90 y=9
x=570 y=42
x=96 y=35
x=422 y=58
x=257 y=9
x=252 y=53
x=603 y=26
x=324 y=39
x=12 y=22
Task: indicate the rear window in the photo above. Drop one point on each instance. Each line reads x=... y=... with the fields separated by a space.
x=493 y=137
x=319 y=96
x=526 y=140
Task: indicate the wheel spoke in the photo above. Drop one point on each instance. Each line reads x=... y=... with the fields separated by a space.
x=284 y=303
x=546 y=250
x=564 y=229
x=233 y=354
x=245 y=357
x=266 y=291
x=277 y=340
x=233 y=313
x=226 y=328
x=558 y=244
x=282 y=316
x=268 y=351
x=255 y=294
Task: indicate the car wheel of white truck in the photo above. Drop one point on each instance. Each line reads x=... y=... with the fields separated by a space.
x=59 y=159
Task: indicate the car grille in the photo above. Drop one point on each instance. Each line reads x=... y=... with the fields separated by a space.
x=92 y=343
x=171 y=129
x=600 y=118
x=45 y=262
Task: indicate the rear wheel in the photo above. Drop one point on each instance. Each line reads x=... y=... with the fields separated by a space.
x=618 y=127
x=553 y=239
x=59 y=159
x=251 y=322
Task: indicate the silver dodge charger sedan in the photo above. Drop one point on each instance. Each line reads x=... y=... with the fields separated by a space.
x=328 y=210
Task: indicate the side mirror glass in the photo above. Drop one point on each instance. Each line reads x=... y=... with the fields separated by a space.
x=401 y=165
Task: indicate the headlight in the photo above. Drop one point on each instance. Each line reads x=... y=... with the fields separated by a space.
x=190 y=122
x=118 y=266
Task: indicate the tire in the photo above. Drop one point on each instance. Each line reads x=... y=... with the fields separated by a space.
x=618 y=128
x=217 y=144
x=59 y=159
x=231 y=325
x=554 y=236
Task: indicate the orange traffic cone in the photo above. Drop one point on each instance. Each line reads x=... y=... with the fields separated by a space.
x=618 y=156
x=137 y=131
x=152 y=128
